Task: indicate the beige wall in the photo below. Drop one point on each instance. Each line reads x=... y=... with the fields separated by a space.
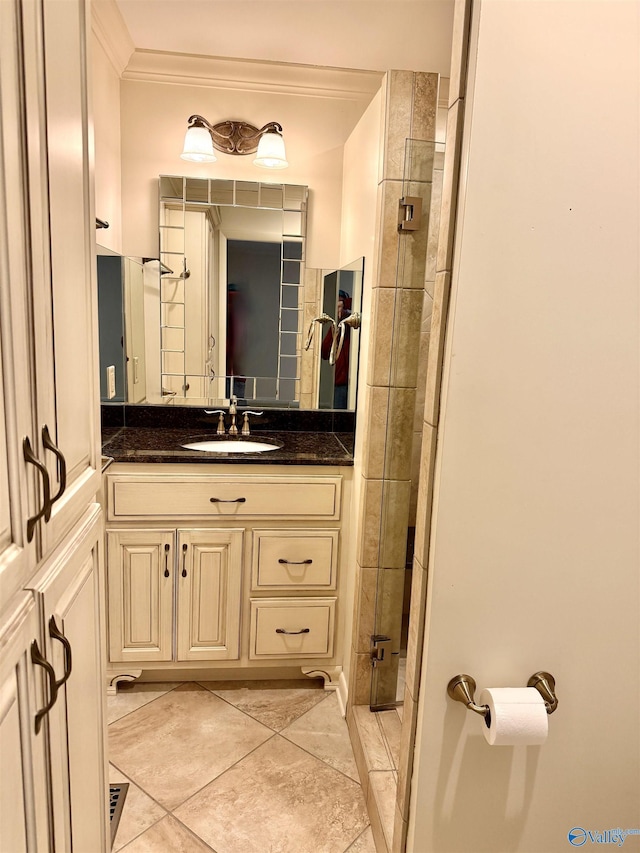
x=105 y=92
x=534 y=549
x=154 y=117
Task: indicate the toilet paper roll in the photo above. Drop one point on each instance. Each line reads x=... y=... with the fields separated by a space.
x=517 y=715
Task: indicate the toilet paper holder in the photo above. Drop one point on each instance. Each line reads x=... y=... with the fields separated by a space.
x=462 y=688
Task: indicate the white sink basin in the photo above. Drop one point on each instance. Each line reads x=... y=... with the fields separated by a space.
x=230 y=445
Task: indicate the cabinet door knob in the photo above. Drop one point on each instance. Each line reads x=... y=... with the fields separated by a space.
x=56 y=634
x=184 y=560
x=47 y=442
x=45 y=512
x=39 y=660
x=166 y=561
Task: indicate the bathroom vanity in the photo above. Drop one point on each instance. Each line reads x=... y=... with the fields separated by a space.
x=225 y=564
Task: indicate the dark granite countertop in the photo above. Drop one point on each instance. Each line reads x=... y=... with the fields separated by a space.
x=160 y=444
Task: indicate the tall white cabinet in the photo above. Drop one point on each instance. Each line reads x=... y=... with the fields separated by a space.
x=53 y=794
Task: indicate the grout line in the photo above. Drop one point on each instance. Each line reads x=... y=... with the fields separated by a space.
x=132 y=782
x=274 y=733
x=155 y=698
x=194 y=834
x=220 y=775
x=385 y=740
x=358 y=837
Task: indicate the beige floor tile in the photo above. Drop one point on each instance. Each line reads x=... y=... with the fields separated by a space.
x=167 y=836
x=391 y=726
x=132 y=696
x=376 y=753
x=364 y=843
x=139 y=812
x=281 y=799
x=383 y=786
x=175 y=745
x=323 y=732
x=273 y=707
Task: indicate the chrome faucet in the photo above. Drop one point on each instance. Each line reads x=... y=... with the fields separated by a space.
x=233 y=411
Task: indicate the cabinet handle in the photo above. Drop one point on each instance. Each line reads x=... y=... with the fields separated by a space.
x=295 y=562
x=47 y=442
x=184 y=560
x=228 y=500
x=301 y=631
x=166 y=561
x=56 y=634
x=45 y=512
x=38 y=660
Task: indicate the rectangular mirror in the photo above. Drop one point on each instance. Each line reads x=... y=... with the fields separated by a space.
x=224 y=308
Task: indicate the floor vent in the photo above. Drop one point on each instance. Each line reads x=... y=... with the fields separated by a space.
x=117 y=795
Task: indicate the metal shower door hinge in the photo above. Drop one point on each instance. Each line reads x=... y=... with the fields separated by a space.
x=409 y=213
x=380 y=650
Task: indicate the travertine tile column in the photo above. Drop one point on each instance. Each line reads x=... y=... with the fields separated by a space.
x=410 y=104
x=431 y=412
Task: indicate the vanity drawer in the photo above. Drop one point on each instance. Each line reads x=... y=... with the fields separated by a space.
x=294 y=559
x=292 y=628
x=131 y=497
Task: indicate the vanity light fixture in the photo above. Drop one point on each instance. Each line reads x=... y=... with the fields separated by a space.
x=234 y=137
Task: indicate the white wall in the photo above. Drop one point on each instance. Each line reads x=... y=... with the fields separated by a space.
x=154 y=119
x=374 y=34
x=534 y=552
x=105 y=93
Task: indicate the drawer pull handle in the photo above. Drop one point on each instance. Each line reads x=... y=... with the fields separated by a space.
x=166 y=561
x=184 y=560
x=301 y=631
x=295 y=562
x=39 y=660
x=228 y=500
x=56 y=634
x=47 y=442
x=45 y=512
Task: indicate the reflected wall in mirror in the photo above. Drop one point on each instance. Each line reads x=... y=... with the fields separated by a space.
x=232 y=254
x=121 y=318
x=224 y=309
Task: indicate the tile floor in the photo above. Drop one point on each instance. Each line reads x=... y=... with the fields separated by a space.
x=234 y=767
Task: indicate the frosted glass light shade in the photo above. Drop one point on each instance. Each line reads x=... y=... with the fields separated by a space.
x=198 y=147
x=271 y=153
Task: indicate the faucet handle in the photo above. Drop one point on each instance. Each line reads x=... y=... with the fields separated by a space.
x=221 y=413
x=245 y=421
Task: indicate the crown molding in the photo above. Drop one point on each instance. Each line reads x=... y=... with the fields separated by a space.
x=111 y=32
x=252 y=75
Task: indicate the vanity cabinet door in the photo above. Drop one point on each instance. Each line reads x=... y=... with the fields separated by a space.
x=18 y=492
x=141 y=577
x=62 y=234
x=24 y=820
x=208 y=584
x=68 y=593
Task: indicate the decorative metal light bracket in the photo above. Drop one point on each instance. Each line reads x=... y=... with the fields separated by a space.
x=235 y=137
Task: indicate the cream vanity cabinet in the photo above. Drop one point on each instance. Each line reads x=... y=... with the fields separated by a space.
x=53 y=782
x=225 y=566
x=174 y=594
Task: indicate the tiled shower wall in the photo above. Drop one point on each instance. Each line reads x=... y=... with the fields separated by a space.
x=390 y=818
x=410 y=106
